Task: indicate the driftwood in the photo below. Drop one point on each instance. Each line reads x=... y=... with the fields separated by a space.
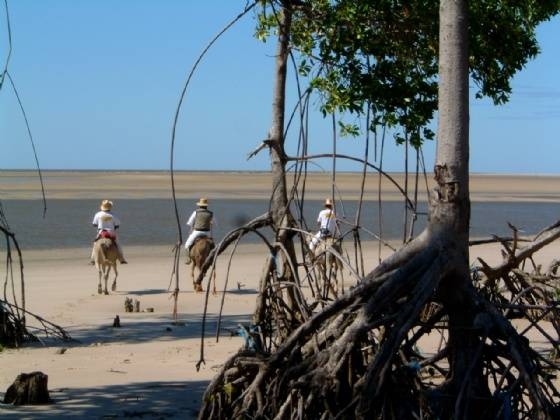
x=28 y=389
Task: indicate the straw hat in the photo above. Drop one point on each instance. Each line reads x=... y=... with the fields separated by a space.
x=203 y=202
x=106 y=205
x=328 y=202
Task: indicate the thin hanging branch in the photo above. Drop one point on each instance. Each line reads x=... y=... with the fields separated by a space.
x=5 y=73
x=172 y=150
x=382 y=173
x=9 y=55
x=14 y=328
x=32 y=143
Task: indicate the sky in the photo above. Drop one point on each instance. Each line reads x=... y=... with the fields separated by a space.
x=100 y=83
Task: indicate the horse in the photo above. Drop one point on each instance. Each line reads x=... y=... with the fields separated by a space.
x=328 y=265
x=105 y=256
x=200 y=250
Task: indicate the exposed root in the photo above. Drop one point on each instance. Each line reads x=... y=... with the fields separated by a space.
x=15 y=328
x=15 y=333
x=385 y=349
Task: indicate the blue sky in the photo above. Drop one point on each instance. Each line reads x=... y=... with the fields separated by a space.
x=100 y=82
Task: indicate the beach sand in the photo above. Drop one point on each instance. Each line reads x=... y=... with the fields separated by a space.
x=157 y=184
x=147 y=367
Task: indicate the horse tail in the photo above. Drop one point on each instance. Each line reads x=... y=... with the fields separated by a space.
x=105 y=249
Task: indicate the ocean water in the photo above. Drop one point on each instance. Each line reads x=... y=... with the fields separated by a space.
x=152 y=221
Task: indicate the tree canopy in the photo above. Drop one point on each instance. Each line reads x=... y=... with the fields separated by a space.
x=381 y=55
x=362 y=354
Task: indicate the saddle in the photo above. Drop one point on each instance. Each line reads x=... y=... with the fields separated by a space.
x=325 y=233
x=205 y=238
x=197 y=240
x=107 y=234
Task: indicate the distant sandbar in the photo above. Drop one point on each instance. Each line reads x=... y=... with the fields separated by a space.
x=257 y=185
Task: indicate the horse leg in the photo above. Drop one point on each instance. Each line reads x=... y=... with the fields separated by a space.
x=192 y=275
x=325 y=272
x=99 y=288
x=333 y=278
x=339 y=271
x=106 y=278
x=214 y=291
x=197 y=286
x=323 y=278
x=114 y=285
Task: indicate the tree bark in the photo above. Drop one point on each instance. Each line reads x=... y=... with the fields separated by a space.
x=28 y=388
x=282 y=219
x=450 y=215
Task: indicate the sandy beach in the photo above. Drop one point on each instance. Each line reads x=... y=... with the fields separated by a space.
x=157 y=184
x=147 y=367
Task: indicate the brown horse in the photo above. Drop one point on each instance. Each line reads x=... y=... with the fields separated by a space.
x=329 y=267
x=105 y=255
x=200 y=250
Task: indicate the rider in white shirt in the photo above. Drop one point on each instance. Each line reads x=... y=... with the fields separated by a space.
x=200 y=222
x=107 y=224
x=327 y=224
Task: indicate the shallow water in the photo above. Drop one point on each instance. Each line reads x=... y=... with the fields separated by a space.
x=152 y=221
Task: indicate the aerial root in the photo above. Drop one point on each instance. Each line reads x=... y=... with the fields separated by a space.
x=363 y=353
x=13 y=315
x=329 y=344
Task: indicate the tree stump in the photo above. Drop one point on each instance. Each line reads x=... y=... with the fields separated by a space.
x=28 y=388
x=128 y=305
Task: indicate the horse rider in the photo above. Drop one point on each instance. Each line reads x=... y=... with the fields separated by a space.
x=327 y=224
x=107 y=224
x=200 y=223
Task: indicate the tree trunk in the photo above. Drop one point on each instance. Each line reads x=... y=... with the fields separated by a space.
x=450 y=215
x=282 y=219
x=451 y=206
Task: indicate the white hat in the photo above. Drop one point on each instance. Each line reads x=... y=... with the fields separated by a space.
x=106 y=205
x=328 y=202
x=203 y=202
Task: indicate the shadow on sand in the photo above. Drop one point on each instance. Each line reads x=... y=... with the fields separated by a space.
x=147 y=400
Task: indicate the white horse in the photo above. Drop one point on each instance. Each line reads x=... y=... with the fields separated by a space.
x=329 y=267
x=105 y=255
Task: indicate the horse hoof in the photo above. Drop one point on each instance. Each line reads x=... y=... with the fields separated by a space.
x=198 y=288
x=114 y=287
x=106 y=292
x=99 y=290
